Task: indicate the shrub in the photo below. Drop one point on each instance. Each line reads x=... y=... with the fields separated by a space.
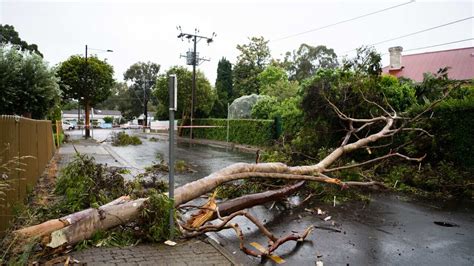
x=123 y=139
x=83 y=184
x=108 y=119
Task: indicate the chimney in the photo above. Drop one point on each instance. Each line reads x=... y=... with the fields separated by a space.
x=395 y=57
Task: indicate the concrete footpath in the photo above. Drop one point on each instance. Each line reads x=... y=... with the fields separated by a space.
x=191 y=252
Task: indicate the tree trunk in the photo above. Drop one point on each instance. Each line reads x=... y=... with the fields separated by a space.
x=248 y=201
x=87 y=122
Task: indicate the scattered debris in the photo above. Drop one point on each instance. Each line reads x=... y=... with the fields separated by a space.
x=327 y=218
x=170 y=243
x=260 y=248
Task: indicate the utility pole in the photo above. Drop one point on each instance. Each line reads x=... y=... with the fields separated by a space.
x=86 y=105
x=193 y=59
x=145 y=113
x=86 y=84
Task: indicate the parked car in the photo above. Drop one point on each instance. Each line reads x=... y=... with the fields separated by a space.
x=129 y=125
x=68 y=126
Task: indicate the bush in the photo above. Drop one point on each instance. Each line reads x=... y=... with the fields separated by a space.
x=84 y=184
x=242 y=131
x=108 y=119
x=123 y=139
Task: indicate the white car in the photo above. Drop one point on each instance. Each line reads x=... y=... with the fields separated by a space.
x=68 y=126
x=129 y=125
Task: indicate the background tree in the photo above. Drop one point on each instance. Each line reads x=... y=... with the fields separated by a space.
x=143 y=77
x=274 y=82
x=204 y=93
x=304 y=62
x=28 y=86
x=89 y=81
x=9 y=35
x=118 y=96
x=253 y=59
x=223 y=88
x=367 y=60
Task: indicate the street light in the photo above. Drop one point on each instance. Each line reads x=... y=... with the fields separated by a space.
x=86 y=105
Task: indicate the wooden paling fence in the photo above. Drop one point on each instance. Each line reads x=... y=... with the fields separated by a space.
x=26 y=147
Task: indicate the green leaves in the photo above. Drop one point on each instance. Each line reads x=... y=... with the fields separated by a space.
x=91 y=80
x=205 y=95
x=253 y=59
x=9 y=35
x=28 y=85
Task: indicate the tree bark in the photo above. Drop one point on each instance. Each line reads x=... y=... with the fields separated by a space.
x=87 y=121
x=248 y=201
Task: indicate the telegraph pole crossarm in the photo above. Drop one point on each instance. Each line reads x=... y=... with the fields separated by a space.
x=194 y=62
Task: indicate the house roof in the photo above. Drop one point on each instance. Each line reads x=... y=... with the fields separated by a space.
x=460 y=62
x=72 y=112
x=96 y=112
x=107 y=112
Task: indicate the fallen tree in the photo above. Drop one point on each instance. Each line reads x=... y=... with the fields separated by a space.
x=71 y=229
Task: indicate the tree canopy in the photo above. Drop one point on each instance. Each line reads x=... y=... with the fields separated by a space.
x=274 y=82
x=205 y=95
x=9 y=35
x=304 y=62
x=90 y=81
x=252 y=60
x=27 y=85
x=224 y=88
x=143 y=77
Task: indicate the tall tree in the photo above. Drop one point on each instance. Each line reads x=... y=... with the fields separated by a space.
x=28 y=86
x=9 y=35
x=304 y=62
x=89 y=81
x=204 y=93
x=253 y=59
x=223 y=88
x=143 y=77
x=118 y=95
x=274 y=82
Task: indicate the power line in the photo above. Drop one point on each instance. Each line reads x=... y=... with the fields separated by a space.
x=441 y=44
x=416 y=32
x=436 y=45
x=342 y=21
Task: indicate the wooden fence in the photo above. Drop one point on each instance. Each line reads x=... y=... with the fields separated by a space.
x=26 y=147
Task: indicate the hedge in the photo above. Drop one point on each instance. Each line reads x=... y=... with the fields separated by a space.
x=453 y=127
x=257 y=132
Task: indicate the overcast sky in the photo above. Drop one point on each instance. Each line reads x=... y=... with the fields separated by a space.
x=146 y=30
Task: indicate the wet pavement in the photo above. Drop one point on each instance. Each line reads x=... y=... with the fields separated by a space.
x=386 y=231
x=389 y=230
x=203 y=159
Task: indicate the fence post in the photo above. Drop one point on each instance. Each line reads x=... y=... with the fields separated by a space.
x=58 y=132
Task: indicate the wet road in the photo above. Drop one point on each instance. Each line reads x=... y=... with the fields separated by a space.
x=204 y=159
x=390 y=230
x=387 y=231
